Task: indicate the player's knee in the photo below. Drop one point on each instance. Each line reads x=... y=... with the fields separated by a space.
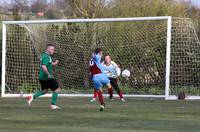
x=99 y=90
x=109 y=86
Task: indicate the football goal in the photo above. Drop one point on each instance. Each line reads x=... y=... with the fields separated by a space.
x=162 y=54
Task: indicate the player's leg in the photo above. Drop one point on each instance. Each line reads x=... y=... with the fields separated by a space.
x=101 y=99
x=53 y=85
x=110 y=90
x=54 y=99
x=39 y=93
x=106 y=81
x=114 y=83
x=94 y=96
x=98 y=86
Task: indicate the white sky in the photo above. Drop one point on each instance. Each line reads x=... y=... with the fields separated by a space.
x=194 y=2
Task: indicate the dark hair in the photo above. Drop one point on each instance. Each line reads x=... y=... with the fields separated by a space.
x=50 y=44
x=107 y=55
x=97 y=50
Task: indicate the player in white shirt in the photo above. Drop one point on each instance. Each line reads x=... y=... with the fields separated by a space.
x=113 y=77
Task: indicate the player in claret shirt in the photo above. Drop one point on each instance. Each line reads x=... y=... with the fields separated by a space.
x=113 y=77
x=99 y=78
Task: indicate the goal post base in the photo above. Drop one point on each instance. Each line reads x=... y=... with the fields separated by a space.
x=174 y=97
x=171 y=97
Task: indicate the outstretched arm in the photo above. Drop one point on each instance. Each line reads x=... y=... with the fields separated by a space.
x=55 y=62
x=104 y=68
x=97 y=60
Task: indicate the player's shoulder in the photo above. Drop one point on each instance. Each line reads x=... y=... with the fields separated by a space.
x=113 y=63
x=44 y=55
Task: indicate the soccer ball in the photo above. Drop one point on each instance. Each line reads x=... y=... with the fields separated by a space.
x=126 y=73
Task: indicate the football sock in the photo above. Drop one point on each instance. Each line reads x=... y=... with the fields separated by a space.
x=95 y=94
x=37 y=94
x=54 y=98
x=110 y=91
x=100 y=97
x=116 y=88
x=120 y=94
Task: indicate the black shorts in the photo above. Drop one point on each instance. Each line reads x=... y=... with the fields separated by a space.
x=49 y=84
x=114 y=83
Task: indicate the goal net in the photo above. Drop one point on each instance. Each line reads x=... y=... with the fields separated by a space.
x=160 y=52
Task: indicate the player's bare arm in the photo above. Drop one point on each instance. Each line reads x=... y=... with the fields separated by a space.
x=55 y=62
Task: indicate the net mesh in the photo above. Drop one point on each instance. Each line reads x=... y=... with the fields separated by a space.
x=185 y=58
x=139 y=46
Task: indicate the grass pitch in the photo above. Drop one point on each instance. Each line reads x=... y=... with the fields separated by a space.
x=78 y=115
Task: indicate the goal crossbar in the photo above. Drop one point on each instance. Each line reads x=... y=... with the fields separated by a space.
x=87 y=20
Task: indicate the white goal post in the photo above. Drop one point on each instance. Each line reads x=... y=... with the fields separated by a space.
x=123 y=31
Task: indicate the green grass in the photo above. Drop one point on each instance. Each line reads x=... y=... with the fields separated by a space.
x=78 y=115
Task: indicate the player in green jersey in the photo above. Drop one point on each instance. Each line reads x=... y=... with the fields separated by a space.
x=46 y=78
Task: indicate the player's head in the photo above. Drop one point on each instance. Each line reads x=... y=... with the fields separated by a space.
x=97 y=55
x=50 y=49
x=98 y=51
x=107 y=59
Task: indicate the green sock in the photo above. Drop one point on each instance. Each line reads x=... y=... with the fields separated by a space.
x=54 y=98
x=37 y=94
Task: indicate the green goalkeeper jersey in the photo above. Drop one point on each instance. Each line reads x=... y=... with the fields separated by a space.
x=46 y=60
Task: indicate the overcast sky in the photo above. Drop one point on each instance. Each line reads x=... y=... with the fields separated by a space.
x=194 y=2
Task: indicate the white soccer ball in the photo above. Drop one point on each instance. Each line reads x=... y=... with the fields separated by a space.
x=126 y=73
